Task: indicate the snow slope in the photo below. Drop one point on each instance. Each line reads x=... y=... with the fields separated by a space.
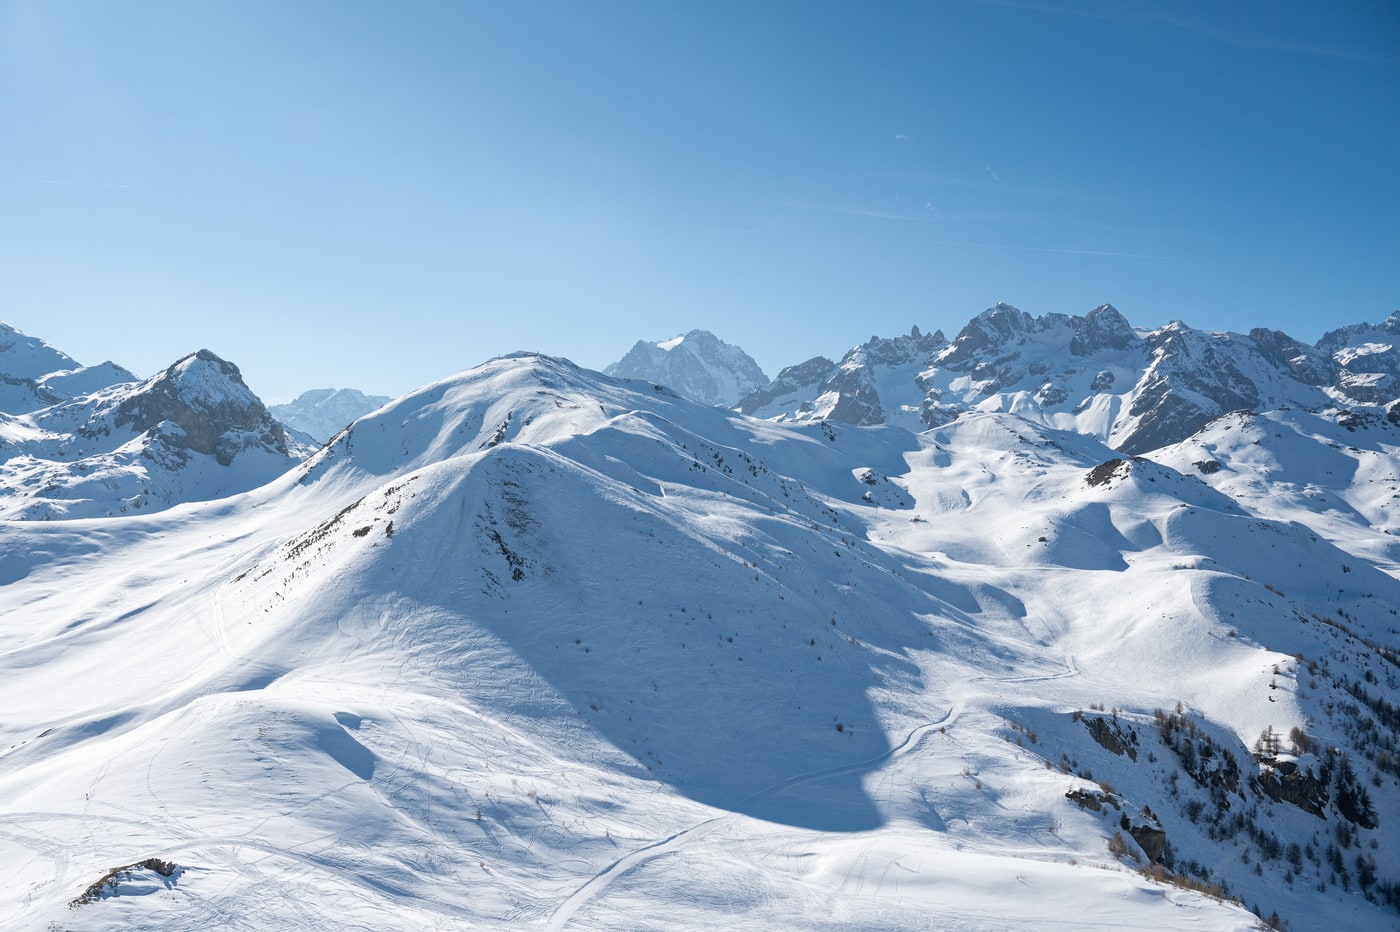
x=698 y=365
x=34 y=375
x=534 y=646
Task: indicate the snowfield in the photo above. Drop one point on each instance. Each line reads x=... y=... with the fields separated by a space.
x=533 y=646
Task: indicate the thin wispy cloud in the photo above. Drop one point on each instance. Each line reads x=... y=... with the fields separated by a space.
x=1055 y=249
x=996 y=178
x=853 y=212
x=900 y=137
x=988 y=184
x=927 y=213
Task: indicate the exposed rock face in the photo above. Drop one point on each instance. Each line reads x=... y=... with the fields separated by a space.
x=1102 y=329
x=1150 y=838
x=698 y=366
x=1305 y=363
x=1107 y=471
x=321 y=413
x=993 y=328
x=850 y=396
x=851 y=393
x=1190 y=383
x=204 y=396
x=192 y=432
x=1284 y=782
x=803 y=377
x=1113 y=737
x=848 y=391
x=1366 y=360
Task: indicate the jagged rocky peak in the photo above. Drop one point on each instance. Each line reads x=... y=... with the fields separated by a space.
x=322 y=412
x=1307 y=364
x=915 y=346
x=1365 y=360
x=1102 y=329
x=1387 y=331
x=995 y=326
x=800 y=379
x=1194 y=378
x=697 y=365
x=206 y=398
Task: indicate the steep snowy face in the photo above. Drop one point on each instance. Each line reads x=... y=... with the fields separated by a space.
x=1193 y=378
x=988 y=332
x=1093 y=374
x=34 y=375
x=1366 y=360
x=863 y=388
x=191 y=432
x=786 y=393
x=698 y=366
x=321 y=413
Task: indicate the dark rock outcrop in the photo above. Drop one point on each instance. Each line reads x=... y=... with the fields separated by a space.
x=205 y=397
x=1102 y=329
x=805 y=376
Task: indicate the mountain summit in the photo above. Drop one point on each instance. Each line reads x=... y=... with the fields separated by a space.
x=322 y=412
x=191 y=432
x=699 y=366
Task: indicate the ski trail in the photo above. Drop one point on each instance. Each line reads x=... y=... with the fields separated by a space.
x=600 y=881
x=622 y=865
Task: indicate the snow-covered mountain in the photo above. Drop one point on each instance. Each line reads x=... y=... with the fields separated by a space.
x=192 y=432
x=868 y=386
x=1097 y=375
x=34 y=375
x=322 y=412
x=534 y=646
x=697 y=365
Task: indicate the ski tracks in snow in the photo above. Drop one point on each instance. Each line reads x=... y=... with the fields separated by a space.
x=580 y=898
x=600 y=881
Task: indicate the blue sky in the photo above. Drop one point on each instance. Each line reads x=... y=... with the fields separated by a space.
x=377 y=195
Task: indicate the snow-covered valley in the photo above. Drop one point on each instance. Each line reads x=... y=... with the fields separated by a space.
x=537 y=646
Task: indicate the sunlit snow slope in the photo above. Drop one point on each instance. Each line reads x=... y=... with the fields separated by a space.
x=533 y=646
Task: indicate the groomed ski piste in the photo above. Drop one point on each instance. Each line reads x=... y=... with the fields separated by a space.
x=535 y=647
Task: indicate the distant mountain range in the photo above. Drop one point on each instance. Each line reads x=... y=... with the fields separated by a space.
x=323 y=412
x=1059 y=622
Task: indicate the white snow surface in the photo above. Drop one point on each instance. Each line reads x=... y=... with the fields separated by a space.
x=34 y=374
x=192 y=432
x=535 y=647
x=697 y=365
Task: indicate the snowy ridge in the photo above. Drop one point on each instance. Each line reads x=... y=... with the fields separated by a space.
x=1097 y=375
x=189 y=433
x=698 y=365
x=493 y=656
x=538 y=646
x=34 y=375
